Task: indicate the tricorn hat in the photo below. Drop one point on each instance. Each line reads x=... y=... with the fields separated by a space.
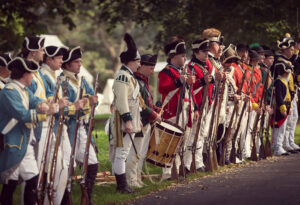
x=148 y=59
x=286 y=42
x=268 y=51
x=33 y=43
x=213 y=35
x=132 y=54
x=201 y=44
x=242 y=47
x=23 y=64
x=72 y=54
x=52 y=51
x=229 y=54
x=254 y=55
x=258 y=49
x=283 y=67
x=175 y=46
x=4 y=59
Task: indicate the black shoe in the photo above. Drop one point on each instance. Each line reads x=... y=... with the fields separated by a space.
x=201 y=169
x=292 y=151
x=122 y=185
x=285 y=154
x=227 y=162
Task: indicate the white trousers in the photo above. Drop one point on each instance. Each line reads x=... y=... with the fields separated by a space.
x=133 y=164
x=278 y=139
x=289 y=137
x=121 y=154
x=81 y=145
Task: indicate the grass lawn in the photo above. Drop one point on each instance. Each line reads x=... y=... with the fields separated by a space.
x=105 y=194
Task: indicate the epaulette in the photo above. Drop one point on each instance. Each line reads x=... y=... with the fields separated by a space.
x=167 y=67
x=122 y=78
x=10 y=87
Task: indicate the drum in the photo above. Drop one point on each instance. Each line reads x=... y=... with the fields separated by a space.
x=165 y=141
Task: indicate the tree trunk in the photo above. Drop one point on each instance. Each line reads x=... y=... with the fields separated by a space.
x=114 y=50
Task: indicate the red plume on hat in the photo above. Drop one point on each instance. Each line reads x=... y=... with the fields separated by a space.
x=132 y=53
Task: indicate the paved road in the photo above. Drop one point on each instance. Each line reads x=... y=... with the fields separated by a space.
x=273 y=181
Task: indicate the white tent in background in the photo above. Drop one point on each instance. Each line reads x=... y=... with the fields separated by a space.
x=107 y=98
x=53 y=40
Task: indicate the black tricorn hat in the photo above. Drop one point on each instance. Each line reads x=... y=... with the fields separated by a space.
x=132 y=54
x=148 y=59
x=177 y=46
x=242 y=47
x=230 y=55
x=286 y=42
x=268 y=51
x=258 y=49
x=201 y=44
x=23 y=64
x=33 y=43
x=52 y=51
x=4 y=59
x=254 y=55
x=72 y=54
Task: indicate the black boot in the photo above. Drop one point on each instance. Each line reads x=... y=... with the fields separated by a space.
x=65 y=199
x=8 y=192
x=30 y=191
x=122 y=185
x=90 y=179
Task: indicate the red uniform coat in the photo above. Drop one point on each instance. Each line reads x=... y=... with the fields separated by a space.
x=201 y=69
x=169 y=80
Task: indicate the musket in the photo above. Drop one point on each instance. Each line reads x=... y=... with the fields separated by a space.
x=268 y=150
x=174 y=174
x=52 y=173
x=42 y=175
x=83 y=185
x=72 y=155
x=211 y=158
x=181 y=153
x=228 y=130
x=233 y=150
x=262 y=150
x=257 y=117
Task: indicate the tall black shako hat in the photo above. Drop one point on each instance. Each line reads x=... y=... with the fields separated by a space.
x=52 y=51
x=4 y=60
x=132 y=54
x=148 y=59
x=286 y=42
x=33 y=43
x=201 y=44
x=22 y=64
x=175 y=46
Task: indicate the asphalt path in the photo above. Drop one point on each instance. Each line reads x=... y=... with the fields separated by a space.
x=272 y=181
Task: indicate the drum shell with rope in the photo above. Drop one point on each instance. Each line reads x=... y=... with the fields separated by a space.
x=165 y=141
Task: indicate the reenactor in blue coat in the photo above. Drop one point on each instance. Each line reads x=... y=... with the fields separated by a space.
x=284 y=59
x=53 y=60
x=33 y=49
x=71 y=69
x=20 y=111
x=4 y=72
